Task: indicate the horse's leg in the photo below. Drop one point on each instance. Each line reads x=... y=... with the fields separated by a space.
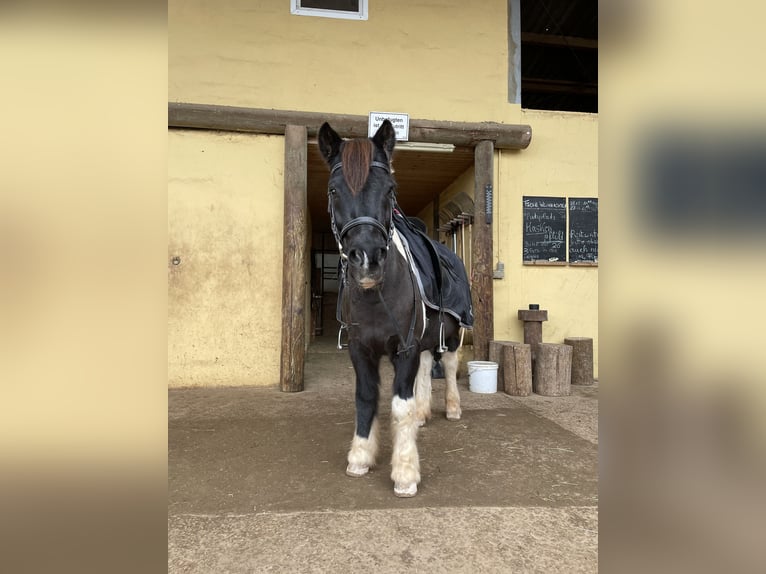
x=423 y=388
x=364 y=445
x=405 y=463
x=452 y=396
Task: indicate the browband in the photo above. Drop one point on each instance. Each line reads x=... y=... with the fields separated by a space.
x=379 y=164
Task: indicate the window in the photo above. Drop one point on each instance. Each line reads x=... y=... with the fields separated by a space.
x=553 y=54
x=348 y=9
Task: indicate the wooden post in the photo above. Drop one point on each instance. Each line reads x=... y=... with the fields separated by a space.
x=293 y=260
x=481 y=275
x=495 y=355
x=553 y=370
x=533 y=327
x=582 y=359
x=517 y=364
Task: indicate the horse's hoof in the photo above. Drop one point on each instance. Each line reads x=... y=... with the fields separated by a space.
x=423 y=418
x=454 y=416
x=356 y=470
x=405 y=491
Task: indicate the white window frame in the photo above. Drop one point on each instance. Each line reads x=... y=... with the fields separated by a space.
x=297 y=9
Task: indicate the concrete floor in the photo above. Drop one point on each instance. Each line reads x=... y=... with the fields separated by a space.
x=257 y=483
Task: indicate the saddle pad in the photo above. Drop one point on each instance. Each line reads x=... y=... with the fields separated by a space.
x=455 y=288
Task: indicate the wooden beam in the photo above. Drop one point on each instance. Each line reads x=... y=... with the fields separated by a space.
x=294 y=261
x=481 y=248
x=544 y=85
x=559 y=41
x=255 y=120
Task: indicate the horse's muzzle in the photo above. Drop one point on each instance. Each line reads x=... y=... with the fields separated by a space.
x=366 y=266
x=368 y=283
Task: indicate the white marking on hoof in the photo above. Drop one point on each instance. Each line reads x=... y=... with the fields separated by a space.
x=405 y=491
x=357 y=470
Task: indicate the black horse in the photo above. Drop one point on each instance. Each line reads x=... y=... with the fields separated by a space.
x=382 y=303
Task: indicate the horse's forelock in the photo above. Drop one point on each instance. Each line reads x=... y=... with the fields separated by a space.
x=356 y=157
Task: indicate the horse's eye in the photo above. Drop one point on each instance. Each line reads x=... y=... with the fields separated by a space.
x=331 y=191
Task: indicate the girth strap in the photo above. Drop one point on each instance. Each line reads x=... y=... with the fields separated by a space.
x=404 y=346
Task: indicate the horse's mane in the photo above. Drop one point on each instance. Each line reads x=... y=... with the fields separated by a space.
x=356 y=157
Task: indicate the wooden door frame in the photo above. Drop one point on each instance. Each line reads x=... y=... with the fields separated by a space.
x=295 y=310
x=297 y=126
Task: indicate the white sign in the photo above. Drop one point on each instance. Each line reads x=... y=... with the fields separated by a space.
x=401 y=123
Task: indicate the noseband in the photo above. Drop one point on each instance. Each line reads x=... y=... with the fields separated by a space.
x=357 y=221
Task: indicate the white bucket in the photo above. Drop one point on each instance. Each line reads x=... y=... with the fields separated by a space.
x=482 y=377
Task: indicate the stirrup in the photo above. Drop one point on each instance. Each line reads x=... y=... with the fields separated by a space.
x=341 y=345
x=442 y=347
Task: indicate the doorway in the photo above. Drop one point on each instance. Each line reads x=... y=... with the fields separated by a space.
x=422 y=174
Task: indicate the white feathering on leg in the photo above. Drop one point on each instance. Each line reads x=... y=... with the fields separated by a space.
x=405 y=463
x=423 y=388
x=363 y=452
x=452 y=396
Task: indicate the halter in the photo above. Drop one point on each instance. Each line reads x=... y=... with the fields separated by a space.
x=357 y=221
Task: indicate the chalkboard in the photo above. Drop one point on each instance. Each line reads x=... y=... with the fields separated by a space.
x=545 y=227
x=583 y=229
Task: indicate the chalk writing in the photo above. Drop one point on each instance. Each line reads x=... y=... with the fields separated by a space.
x=583 y=229
x=544 y=228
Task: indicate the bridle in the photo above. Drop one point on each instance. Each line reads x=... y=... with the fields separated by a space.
x=405 y=344
x=357 y=221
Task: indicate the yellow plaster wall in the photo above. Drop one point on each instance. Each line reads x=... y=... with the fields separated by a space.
x=225 y=210
x=435 y=59
x=562 y=161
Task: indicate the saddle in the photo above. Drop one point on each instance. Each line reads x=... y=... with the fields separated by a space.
x=439 y=273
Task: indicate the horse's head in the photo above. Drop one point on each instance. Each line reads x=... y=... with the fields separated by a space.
x=361 y=198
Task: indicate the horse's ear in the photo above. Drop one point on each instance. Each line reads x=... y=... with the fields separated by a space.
x=329 y=143
x=385 y=137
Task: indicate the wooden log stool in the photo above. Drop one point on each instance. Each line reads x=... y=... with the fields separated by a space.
x=517 y=362
x=553 y=370
x=496 y=356
x=582 y=359
x=514 y=367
